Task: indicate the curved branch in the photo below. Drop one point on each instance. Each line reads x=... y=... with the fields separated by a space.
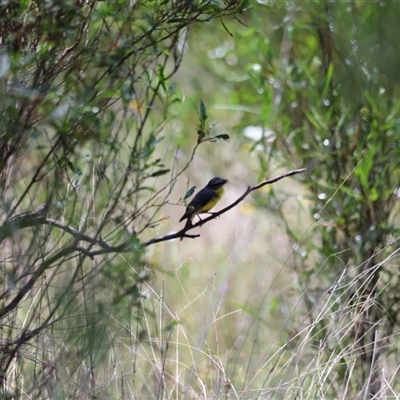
x=36 y=217
x=77 y=234
x=182 y=233
x=23 y=220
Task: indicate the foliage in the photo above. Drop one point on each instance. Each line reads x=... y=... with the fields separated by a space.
x=79 y=82
x=321 y=86
x=87 y=97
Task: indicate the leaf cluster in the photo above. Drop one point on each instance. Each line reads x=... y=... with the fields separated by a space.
x=321 y=87
x=82 y=86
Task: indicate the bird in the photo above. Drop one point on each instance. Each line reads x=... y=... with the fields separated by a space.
x=205 y=199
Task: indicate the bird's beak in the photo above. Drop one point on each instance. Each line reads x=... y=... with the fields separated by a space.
x=225 y=181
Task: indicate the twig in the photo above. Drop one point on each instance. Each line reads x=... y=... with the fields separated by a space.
x=182 y=233
x=37 y=217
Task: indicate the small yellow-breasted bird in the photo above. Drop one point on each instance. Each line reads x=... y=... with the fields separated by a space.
x=205 y=200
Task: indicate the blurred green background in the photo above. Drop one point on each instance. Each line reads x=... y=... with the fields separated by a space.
x=109 y=115
x=301 y=84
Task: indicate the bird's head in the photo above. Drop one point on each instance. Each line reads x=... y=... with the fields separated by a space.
x=216 y=183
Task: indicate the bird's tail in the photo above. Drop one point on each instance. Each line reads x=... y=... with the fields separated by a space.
x=187 y=226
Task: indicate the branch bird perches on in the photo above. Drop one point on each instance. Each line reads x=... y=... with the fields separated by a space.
x=38 y=217
x=182 y=232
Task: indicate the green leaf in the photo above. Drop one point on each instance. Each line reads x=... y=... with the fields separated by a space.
x=159 y=173
x=145 y=188
x=135 y=243
x=373 y=195
x=201 y=131
x=224 y=136
x=328 y=80
x=352 y=193
x=189 y=192
x=170 y=325
x=203 y=112
x=364 y=168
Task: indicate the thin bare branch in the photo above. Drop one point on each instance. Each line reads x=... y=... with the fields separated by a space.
x=182 y=233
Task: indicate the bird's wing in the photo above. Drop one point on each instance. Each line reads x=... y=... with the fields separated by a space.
x=200 y=199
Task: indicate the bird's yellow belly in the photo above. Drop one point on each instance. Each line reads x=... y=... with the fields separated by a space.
x=219 y=193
